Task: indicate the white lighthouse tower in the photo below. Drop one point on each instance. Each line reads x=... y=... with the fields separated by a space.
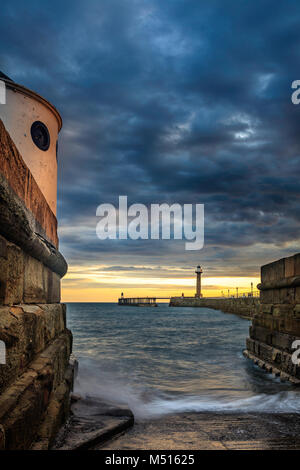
x=198 y=272
x=33 y=124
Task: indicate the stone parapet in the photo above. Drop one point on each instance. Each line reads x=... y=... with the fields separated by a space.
x=276 y=325
x=24 y=279
x=18 y=225
x=244 y=306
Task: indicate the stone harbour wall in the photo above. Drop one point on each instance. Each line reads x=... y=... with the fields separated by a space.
x=244 y=306
x=277 y=323
x=37 y=377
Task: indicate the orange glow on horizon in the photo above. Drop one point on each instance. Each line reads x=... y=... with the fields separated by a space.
x=93 y=285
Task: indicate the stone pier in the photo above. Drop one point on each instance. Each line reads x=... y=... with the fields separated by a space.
x=276 y=325
x=244 y=306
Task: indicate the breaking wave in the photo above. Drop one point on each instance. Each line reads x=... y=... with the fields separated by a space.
x=149 y=403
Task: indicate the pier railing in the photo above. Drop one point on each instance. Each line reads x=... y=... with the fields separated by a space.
x=152 y=301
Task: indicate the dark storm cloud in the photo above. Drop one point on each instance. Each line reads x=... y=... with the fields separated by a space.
x=125 y=268
x=173 y=101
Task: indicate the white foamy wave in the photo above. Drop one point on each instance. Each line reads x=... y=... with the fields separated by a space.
x=285 y=402
x=146 y=403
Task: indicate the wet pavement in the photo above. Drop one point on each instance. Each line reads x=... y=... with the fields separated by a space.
x=212 y=431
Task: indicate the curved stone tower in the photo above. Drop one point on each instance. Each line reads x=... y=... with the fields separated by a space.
x=35 y=346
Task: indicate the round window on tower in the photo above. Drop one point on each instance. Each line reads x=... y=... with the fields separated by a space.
x=40 y=135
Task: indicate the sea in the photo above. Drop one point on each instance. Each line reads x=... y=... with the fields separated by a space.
x=165 y=360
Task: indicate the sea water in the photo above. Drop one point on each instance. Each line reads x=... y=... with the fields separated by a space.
x=171 y=360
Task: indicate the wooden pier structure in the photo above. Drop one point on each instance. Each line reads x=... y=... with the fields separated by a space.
x=140 y=301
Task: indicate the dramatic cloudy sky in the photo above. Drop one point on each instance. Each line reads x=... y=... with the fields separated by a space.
x=167 y=101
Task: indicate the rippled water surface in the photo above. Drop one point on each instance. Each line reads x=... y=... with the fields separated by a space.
x=165 y=360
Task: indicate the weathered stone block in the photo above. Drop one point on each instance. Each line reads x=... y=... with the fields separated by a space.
x=34 y=288
x=24 y=279
x=289 y=266
x=270 y=296
x=297 y=264
x=53 y=320
x=56 y=414
x=265 y=352
x=257 y=348
x=283 y=341
x=3 y=268
x=291 y=326
x=273 y=271
x=281 y=310
x=3 y=248
x=26 y=331
x=52 y=286
x=266 y=308
x=297 y=295
x=286 y=295
x=12 y=275
x=261 y=334
x=64 y=313
x=250 y=345
x=24 y=405
x=297 y=311
x=2 y=438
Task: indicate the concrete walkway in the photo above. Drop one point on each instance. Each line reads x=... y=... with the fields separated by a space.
x=212 y=431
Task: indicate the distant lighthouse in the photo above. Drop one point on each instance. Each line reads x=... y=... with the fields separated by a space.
x=198 y=289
